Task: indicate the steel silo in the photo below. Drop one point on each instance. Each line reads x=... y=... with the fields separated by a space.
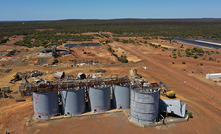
x=99 y=99
x=45 y=104
x=145 y=105
x=121 y=96
x=73 y=101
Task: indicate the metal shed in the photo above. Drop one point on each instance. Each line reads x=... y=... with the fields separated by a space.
x=45 y=104
x=213 y=76
x=73 y=101
x=59 y=75
x=177 y=107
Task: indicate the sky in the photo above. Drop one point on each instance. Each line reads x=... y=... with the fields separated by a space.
x=24 y=10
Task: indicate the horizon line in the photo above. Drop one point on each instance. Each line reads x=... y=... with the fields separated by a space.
x=109 y=19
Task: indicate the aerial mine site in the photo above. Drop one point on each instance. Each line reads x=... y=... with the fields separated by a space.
x=110 y=76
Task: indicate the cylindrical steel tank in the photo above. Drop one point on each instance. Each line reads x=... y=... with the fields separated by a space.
x=144 y=105
x=73 y=101
x=99 y=99
x=121 y=97
x=45 y=104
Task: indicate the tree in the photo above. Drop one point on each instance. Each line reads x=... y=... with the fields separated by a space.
x=189 y=113
x=195 y=56
x=110 y=49
x=210 y=58
x=123 y=59
x=201 y=64
x=183 y=62
x=55 y=60
x=195 y=48
x=4 y=40
x=199 y=50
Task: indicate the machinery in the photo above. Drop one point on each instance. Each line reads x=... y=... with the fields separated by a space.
x=167 y=92
x=18 y=76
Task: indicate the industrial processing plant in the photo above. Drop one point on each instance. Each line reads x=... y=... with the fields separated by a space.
x=110 y=76
x=91 y=96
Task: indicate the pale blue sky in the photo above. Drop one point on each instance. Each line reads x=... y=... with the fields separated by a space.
x=16 y=10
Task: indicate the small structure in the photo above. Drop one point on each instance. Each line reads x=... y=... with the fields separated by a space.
x=177 y=107
x=81 y=75
x=59 y=75
x=213 y=76
x=133 y=72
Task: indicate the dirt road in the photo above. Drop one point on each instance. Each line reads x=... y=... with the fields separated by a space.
x=216 y=93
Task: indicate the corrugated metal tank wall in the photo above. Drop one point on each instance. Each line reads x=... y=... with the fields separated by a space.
x=144 y=106
x=73 y=101
x=45 y=104
x=121 y=97
x=99 y=99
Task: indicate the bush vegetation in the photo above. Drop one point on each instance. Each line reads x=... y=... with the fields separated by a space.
x=189 y=113
x=55 y=60
x=123 y=59
x=12 y=52
x=100 y=71
x=3 y=40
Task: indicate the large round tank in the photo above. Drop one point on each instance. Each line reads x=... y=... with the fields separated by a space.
x=45 y=104
x=121 y=97
x=144 y=105
x=73 y=101
x=99 y=99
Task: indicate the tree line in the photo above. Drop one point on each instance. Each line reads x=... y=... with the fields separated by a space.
x=170 y=28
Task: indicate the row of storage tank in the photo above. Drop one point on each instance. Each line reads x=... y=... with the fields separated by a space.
x=144 y=105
